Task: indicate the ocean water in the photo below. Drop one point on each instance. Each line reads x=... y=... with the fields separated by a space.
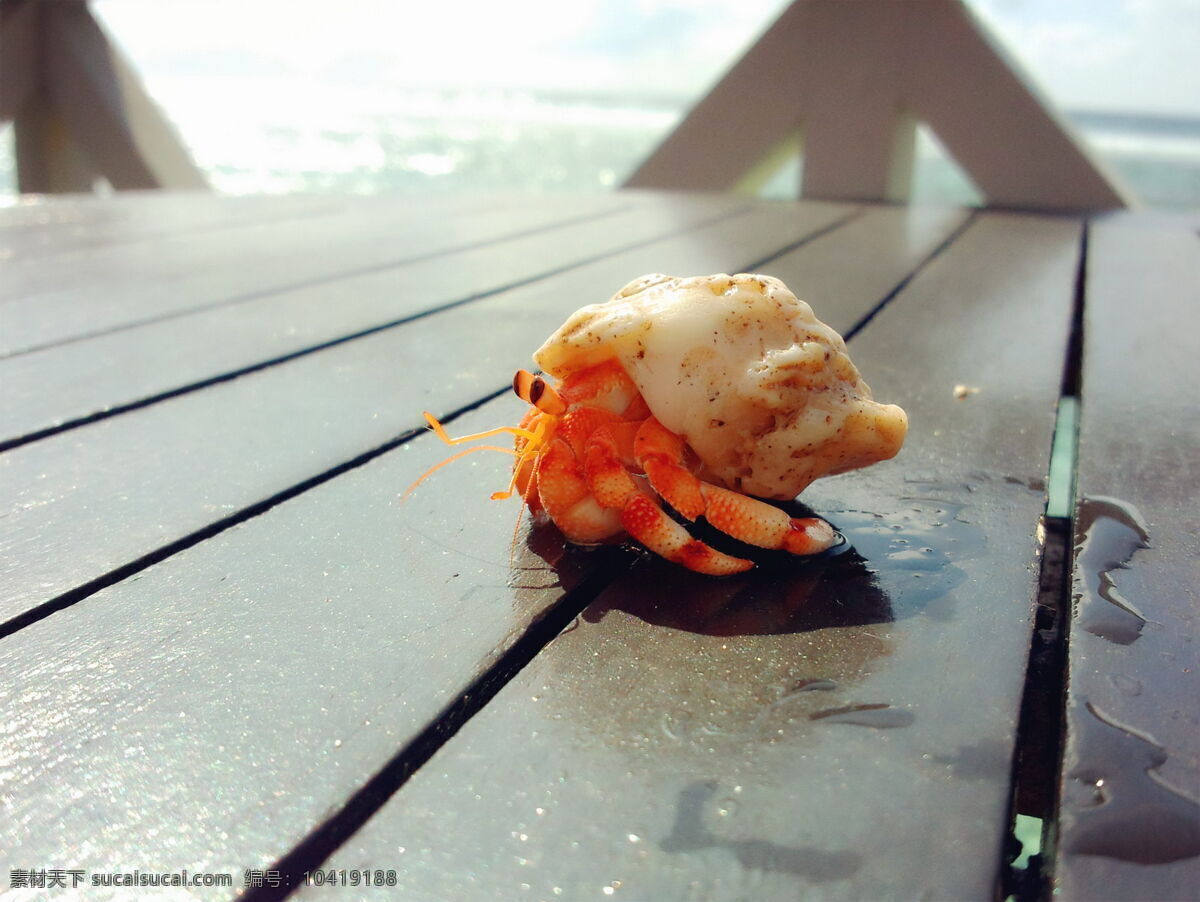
x=465 y=140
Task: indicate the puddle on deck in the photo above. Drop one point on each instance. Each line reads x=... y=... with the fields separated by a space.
x=1113 y=531
x=1118 y=805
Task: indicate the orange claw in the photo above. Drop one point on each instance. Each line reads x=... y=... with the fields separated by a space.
x=564 y=493
x=764 y=525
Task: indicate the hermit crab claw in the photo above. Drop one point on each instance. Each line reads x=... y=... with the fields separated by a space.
x=697 y=392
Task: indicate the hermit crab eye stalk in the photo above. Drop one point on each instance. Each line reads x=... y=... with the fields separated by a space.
x=537 y=391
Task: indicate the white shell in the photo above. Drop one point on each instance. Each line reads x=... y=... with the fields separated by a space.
x=762 y=390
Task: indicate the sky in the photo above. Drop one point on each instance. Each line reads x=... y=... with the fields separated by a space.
x=1124 y=55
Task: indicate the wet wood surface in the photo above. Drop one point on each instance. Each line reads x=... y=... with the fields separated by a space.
x=1130 y=824
x=224 y=643
x=189 y=270
x=69 y=382
x=128 y=485
x=779 y=734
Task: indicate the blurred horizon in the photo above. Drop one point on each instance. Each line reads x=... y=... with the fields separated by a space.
x=385 y=96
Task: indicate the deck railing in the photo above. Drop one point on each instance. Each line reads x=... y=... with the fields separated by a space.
x=853 y=77
x=846 y=80
x=79 y=110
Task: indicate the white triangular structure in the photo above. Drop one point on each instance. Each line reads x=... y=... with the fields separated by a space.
x=856 y=75
x=78 y=108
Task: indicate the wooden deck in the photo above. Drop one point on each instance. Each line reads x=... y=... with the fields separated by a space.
x=227 y=647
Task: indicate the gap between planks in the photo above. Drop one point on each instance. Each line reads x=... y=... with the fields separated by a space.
x=1040 y=740
x=116 y=410
x=325 y=839
x=316 y=281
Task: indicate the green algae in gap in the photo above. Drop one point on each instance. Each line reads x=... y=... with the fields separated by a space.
x=1060 y=500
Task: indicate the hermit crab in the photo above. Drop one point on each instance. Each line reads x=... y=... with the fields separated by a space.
x=699 y=392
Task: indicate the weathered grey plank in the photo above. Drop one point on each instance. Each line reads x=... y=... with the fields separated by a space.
x=69 y=382
x=208 y=712
x=302 y=647
x=97 y=290
x=831 y=729
x=46 y=225
x=88 y=500
x=1130 y=807
x=855 y=268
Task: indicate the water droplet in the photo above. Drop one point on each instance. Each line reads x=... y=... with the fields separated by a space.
x=882 y=717
x=1112 y=531
x=633 y=837
x=726 y=807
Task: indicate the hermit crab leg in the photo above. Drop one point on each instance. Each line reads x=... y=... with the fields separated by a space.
x=763 y=525
x=613 y=487
x=645 y=521
x=564 y=492
x=659 y=453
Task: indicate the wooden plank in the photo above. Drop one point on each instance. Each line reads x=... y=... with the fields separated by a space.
x=65 y=384
x=1130 y=793
x=112 y=491
x=207 y=713
x=860 y=264
x=39 y=225
x=102 y=289
x=70 y=382
x=840 y=728
x=307 y=645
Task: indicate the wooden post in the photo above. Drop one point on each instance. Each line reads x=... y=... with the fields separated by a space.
x=857 y=75
x=79 y=111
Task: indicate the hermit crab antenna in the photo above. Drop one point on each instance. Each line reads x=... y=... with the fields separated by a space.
x=537 y=391
x=451 y=459
x=530 y=453
x=534 y=438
